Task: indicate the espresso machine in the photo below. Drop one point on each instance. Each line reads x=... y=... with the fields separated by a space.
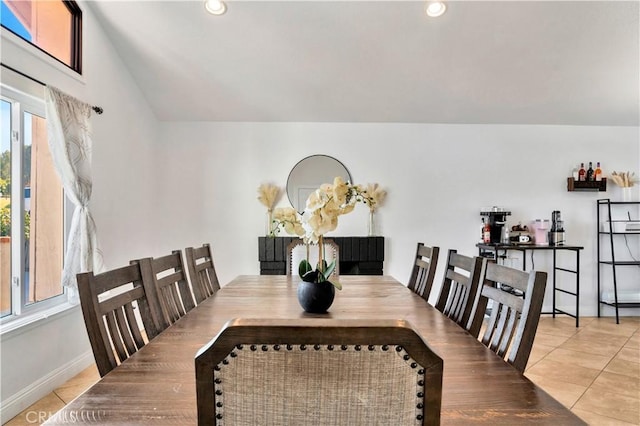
x=497 y=218
x=556 y=233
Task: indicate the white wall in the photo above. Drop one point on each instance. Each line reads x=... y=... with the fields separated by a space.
x=163 y=186
x=38 y=358
x=438 y=177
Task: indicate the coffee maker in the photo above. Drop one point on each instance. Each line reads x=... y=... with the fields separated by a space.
x=556 y=234
x=497 y=218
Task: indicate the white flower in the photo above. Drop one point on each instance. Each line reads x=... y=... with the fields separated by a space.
x=320 y=216
x=289 y=219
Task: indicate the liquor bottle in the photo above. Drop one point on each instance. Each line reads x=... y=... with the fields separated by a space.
x=486 y=233
x=598 y=172
x=590 y=176
x=582 y=173
x=575 y=172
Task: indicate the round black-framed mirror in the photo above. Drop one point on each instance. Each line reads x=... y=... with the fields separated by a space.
x=311 y=172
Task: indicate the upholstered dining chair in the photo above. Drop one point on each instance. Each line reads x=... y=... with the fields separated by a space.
x=297 y=250
x=109 y=301
x=516 y=302
x=424 y=270
x=460 y=286
x=169 y=278
x=319 y=372
x=202 y=271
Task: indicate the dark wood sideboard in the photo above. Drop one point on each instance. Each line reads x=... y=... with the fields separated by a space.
x=358 y=255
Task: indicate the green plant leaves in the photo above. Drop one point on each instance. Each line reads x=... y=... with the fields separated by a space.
x=328 y=269
x=304 y=267
x=336 y=284
x=310 y=275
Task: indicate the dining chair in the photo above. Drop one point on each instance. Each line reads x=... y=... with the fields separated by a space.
x=318 y=371
x=460 y=285
x=424 y=270
x=202 y=271
x=514 y=300
x=109 y=302
x=167 y=275
x=297 y=250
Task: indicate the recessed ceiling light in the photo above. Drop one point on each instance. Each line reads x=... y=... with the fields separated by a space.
x=435 y=8
x=215 y=7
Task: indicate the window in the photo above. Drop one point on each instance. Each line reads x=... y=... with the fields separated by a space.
x=31 y=210
x=53 y=26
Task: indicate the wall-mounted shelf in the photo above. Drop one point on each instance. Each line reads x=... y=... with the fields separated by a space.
x=579 y=185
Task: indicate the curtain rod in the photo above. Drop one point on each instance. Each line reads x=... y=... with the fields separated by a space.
x=97 y=109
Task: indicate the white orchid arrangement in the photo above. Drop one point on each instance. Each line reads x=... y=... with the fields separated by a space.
x=320 y=216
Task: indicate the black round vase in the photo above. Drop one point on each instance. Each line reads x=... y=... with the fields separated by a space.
x=316 y=298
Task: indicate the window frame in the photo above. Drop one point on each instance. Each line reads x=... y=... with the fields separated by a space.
x=22 y=103
x=76 y=38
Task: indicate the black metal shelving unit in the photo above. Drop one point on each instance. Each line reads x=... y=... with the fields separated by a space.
x=612 y=262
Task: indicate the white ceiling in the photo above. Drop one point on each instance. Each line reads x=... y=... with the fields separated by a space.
x=512 y=62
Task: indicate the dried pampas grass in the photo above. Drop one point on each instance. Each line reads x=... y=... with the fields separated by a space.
x=623 y=179
x=375 y=196
x=268 y=195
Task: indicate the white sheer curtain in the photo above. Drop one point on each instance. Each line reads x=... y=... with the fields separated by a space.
x=69 y=133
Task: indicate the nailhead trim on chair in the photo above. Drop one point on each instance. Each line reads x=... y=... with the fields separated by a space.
x=276 y=347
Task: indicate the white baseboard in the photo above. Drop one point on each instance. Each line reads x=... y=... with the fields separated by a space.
x=19 y=401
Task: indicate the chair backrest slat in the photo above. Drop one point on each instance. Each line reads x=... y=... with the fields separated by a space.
x=460 y=285
x=509 y=330
x=125 y=328
x=108 y=302
x=202 y=272
x=424 y=270
x=168 y=276
x=516 y=303
x=457 y=301
x=138 y=340
x=503 y=297
x=119 y=341
x=169 y=300
x=422 y=264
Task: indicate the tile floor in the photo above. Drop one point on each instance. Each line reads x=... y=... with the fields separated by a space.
x=42 y=409
x=594 y=370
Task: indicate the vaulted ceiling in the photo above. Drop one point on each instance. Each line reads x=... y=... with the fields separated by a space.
x=506 y=62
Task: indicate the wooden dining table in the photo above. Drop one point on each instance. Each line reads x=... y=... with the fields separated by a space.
x=157 y=384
